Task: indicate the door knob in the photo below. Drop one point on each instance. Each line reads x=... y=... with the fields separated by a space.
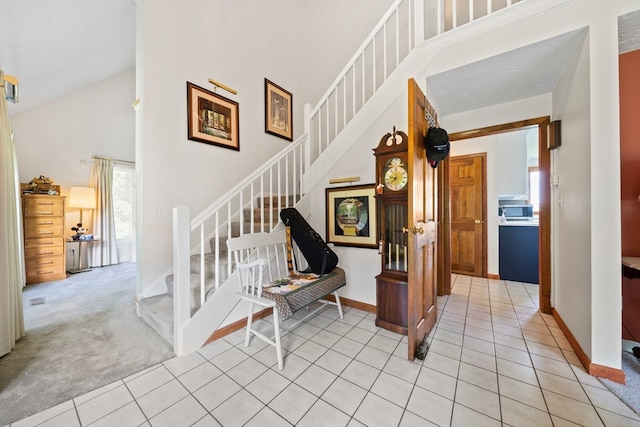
x=415 y=230
x=477 y=221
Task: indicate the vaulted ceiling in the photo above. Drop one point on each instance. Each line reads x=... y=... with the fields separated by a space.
x=54 y=47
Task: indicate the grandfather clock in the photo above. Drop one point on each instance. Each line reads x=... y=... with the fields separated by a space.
x=392 y=174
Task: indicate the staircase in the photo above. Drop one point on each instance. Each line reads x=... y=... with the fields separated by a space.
x=157 y=311
x=201 y=291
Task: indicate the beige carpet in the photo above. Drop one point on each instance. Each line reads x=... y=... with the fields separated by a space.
x=85 y=335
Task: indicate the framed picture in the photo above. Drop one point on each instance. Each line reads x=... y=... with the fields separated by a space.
x=211 y=118
x=278 y=111
x=352 y=216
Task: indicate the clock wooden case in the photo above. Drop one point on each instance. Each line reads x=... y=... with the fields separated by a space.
x=392 y=174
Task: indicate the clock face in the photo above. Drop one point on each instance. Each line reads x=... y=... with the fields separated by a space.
x=395 y=175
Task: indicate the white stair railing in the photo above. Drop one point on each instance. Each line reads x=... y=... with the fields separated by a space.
x=406 y=24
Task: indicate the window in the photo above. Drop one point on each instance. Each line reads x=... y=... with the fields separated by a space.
x=534 y=189
x=124 y=209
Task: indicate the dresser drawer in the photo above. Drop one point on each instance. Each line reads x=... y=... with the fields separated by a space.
x=44 y=242
x=43 y=227
x=43 y=251
x=44 y=269
x=43 y=206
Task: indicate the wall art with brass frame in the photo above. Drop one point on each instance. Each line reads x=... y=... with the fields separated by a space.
x=211 y=118
x=352 y=216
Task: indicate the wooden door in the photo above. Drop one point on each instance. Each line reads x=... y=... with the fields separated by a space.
x=467 y=178
x=421 y=300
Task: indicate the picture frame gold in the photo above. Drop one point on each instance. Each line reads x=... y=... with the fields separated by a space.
x=278 y=111
x=352 y=217
x=212 y=119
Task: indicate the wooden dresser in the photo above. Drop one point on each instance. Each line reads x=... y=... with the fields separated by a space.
x=44 y=247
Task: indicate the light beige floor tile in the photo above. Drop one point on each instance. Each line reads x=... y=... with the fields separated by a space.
x=552 y=352
x=516 y=413
x=291 y=341
x=326 y=338
x=437 y=382
x=103 y=404
x=393 y=389
x=448 y=336
x=571 y=410
x=430 y=406
x=445 y=348
x=184 y=412
x=513 y=355
x=508 y=341
x=509 y=330
x=465 y=417
x=481 y=360
x=359 y=335
x=522 y=392
x=294 y=365
x=478 y=399
x=322 y=414
x=216 y=392
x=603 y=398
x=179 y=365
x=451 y=326
x=267 y=417
x=378 y=412
x=65 y=419
x=517 y=371
x=477 y=320
x=333 y=361
x=373 y=357
x=552 y=366
x=344 y=395
x=380 y=342
x=230 y=358
x=97 y=392
x=612 y=419
x=442 y=364
x=307 y=330
x=236 y=411
x=348 y=347
x=475 y=344
x=149 y=381
x=403 y=368
x=214 y=349
x=360 y=374
x=310 y=351
x=292 y=403
x=246 y=371
x=479 y=333
x=409 y=419
x=563 y=386
x=315 y=380
x=268 y=385
x=162 y=397
x=199 y=376
x=478 y=377
x=64 y=410
x=561 y=422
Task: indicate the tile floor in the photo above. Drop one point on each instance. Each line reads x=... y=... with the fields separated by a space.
x=494 y=361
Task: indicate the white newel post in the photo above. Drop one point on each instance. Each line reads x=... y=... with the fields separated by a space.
x=181 y=303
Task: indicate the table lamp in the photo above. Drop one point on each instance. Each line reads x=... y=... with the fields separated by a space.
x=81 y=198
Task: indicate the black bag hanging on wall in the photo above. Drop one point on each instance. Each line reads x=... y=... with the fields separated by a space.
x=319 y=256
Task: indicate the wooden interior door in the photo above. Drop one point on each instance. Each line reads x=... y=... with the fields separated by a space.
x=421 y=298
x=467 y=186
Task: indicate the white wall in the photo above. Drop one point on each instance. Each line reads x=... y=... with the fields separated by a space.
x=238 y=44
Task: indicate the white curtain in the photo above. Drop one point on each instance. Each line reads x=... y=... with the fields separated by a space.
x=12 y=276
x=105 y=250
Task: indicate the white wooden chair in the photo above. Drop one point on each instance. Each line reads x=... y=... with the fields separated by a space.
x=254 y=254
x=261 y=258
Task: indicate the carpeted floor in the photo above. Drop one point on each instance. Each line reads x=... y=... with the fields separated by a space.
x=85 y=335
x=629 y=393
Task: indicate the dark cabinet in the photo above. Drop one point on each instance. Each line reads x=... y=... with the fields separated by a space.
x=518 y=253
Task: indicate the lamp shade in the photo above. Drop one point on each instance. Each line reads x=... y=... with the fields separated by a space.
x=82 y=197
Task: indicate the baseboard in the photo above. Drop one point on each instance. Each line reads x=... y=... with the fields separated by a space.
x=493 y=276
x=237 y=325
x=616 y=375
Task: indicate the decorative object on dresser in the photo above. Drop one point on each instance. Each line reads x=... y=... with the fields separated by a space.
x=81 y=198
x=43 y=230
